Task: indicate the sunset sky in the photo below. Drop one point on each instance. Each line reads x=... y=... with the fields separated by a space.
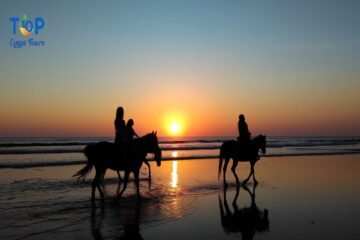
x=292 y=67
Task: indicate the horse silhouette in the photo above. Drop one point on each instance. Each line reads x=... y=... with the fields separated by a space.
x=238 y=152
x=106 y=155
x=247 y=220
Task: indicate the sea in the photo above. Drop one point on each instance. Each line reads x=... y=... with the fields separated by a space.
x=59 y=151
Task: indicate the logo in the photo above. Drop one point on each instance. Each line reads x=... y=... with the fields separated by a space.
x=26 y=27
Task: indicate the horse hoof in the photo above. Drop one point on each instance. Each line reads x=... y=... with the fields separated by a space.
x=141 y=198
x=115 y=200
x=118 y=196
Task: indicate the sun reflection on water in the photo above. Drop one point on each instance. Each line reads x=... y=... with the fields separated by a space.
x=174 y=154
x=174 y=175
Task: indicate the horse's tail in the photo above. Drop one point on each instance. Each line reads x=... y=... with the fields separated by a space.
x=89 y=165
x=221 y=158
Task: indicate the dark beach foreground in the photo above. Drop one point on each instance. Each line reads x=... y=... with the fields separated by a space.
x=307 y=197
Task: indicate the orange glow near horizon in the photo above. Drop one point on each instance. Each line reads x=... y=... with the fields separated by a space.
x=173 y=115
x=198 y=118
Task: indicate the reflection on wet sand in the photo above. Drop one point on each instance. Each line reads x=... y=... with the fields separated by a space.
x=246 y=220
x=128 y=228
x=96 y=224
x=174 y=175
x=126 y=217
x=35 y=204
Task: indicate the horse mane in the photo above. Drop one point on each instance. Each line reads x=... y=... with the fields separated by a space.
x=149 y=134
x=146 y=136
x=258 y=137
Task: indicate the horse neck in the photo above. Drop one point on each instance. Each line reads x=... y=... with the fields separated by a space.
x=142 y=144
x=256 y=144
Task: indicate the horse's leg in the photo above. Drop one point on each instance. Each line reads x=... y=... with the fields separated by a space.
x=148 y=165
x=101 y=180
x=126 y=179
x=233 y=168
x=251 y=172
x=93 y=186
x=118 y=187
x=96 y=184
x=118 y=173
x=224 y=170
x=136 y=175
x=149 y=187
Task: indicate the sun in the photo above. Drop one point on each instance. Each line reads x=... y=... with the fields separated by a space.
x=175 y=123
x=175 y=128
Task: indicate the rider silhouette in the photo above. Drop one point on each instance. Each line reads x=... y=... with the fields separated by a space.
x=120 y=133
x=244 y=134
x=130 y=132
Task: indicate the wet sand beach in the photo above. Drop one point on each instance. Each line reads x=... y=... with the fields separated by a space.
x=305 y=197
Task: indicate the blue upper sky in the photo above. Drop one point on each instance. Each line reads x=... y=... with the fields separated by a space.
x=288 y=48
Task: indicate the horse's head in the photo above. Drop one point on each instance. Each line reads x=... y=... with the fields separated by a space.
x=261 y=143
x=153 y=147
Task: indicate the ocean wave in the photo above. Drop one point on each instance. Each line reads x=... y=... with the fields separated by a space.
x=195 y=157
x=49 y=144
x=41 y=151
x=203 y=144
x=272 y=142
x=28 y=153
